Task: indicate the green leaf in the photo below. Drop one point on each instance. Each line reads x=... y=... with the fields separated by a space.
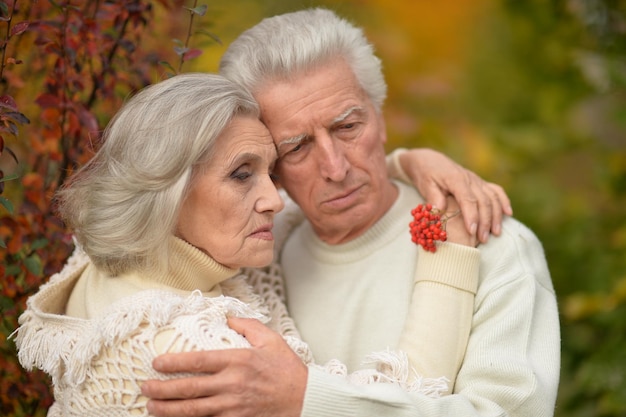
x=168 y=66
x=9 y=177
x=2 y=244
x=39 y=243
x=6 y=303
x=33 y=263
x=180 y=51
x=200 y=10
x=210 y=35
x=12 y=270
x=7 y=205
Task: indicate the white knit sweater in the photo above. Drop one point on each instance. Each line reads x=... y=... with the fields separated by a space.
x=510 y=367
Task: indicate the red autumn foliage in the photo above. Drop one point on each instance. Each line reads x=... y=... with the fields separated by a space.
x=66 y=66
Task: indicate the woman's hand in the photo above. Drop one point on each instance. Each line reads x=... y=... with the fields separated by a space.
x=436 y=177
x=455 y=226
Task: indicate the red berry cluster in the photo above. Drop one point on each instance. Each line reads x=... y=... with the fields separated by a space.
x=427 y=227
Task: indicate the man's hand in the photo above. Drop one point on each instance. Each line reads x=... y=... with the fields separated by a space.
x=436 y=176
x=268 y=379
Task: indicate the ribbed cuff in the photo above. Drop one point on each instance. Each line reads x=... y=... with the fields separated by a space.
x=453 y=264
x=327 y=395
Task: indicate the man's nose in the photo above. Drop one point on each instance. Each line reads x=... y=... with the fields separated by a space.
x=334 y=165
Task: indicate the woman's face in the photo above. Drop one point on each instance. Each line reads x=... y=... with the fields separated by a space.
x=229 y=210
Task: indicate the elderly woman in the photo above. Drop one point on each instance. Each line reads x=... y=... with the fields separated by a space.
x=178 y=199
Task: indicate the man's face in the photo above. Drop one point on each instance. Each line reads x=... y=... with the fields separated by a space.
x=330 y=147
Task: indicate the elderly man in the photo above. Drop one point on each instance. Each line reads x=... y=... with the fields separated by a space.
x=346 y=267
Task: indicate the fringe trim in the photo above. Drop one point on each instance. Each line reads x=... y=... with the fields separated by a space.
x=33 y=336
x=52 y=348
x=391 y=367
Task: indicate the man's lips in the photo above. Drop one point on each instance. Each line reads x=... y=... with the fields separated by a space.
x=264 y=232
x=342 y=200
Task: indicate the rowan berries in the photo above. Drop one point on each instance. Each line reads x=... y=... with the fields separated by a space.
x=428 y=226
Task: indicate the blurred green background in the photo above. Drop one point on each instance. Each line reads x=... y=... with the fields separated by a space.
x=530 y=95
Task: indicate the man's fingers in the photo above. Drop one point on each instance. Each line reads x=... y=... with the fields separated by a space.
x=206 y=406
x=255 y=332
x=194 y=362
x=183 y=388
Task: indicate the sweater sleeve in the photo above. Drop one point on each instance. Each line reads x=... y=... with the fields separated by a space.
x=394 y=168
x=440 y=315
x=511 y=366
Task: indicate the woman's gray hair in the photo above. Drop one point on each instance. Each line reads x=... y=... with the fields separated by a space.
x=124 y=203
x=284 y=46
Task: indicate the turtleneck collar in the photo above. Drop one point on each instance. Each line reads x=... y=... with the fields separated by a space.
x=191 y=269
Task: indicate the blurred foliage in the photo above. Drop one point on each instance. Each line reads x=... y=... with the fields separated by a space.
x=547 y=86
x=530 y=94
x=67 y=66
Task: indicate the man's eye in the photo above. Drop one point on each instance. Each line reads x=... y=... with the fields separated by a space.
x=292 y=152
x=296 y=151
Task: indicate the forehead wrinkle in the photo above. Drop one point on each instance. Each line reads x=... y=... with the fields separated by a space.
x=244 y=157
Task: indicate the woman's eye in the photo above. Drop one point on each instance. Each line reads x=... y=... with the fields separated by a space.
x=241 y=175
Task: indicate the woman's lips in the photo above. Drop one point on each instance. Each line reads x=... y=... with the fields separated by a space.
x=263 y=232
